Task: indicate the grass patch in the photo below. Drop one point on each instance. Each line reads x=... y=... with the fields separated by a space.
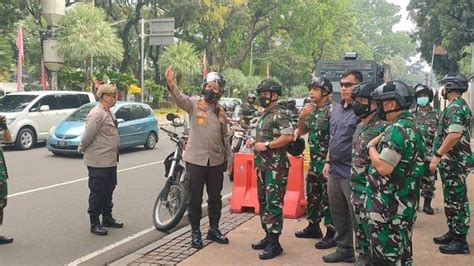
x=164 y=111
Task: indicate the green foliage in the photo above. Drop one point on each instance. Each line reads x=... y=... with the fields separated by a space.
x=32 y=48
x=155 y=90
x=85 y=32
x=70 y=79
x=375 y=20
x=288 y=35
x=444 y=22
x=239 y=85
x=186 y=63
x=299 y=91
x=121 y=80
x=6 y=57
x=11 y=11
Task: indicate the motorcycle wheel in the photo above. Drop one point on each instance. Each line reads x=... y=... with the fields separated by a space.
x=169 y=210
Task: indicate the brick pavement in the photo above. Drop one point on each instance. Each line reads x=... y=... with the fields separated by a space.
x=178 y=248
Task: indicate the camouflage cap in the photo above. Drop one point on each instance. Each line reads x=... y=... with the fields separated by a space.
x=106 y=88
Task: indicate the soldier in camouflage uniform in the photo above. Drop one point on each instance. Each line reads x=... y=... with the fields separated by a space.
x=248 y=108
x=314 y=119
x=394 y=177
x=370 y=127
x=4 y=136
x=274 y=132
x=451 y=151
x=427 y=118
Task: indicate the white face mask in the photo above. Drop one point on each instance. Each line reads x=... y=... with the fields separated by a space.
x=422 y=101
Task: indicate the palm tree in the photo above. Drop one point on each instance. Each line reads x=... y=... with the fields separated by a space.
x=85 y=33
x=185 y=60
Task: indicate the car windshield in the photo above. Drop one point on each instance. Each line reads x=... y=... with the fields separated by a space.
x=15 y=102
x=80 y=114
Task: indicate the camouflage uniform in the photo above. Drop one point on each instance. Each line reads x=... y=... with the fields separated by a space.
x=248 y=109
x=317 y=123
x=360 y=165
x=428 y=122
x=3 y=182
x=393 y=200
x=272 y=168
x=452 y=168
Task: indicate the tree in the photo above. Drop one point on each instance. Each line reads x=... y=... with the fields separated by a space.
x=84 y=33
x=239 y=85
x=444 y=22
x=6 y=58
x=11 y=12
x=155 y=90
x=186 y=63
x=375 y=20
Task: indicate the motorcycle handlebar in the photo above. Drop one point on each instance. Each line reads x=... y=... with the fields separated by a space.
x=169 y=132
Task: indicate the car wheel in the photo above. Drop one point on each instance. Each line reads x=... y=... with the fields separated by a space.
x=151 y=140
x=25 y=139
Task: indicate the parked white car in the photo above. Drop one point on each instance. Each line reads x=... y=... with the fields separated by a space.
x=30 y=115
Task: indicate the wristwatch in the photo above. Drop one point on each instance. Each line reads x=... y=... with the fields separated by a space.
x=438 y=155
x=267 y=145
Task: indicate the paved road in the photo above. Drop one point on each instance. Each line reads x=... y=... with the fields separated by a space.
x=46 y=211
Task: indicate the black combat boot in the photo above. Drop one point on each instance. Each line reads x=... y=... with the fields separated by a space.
x=444 y=239
x=109 y=221
x=311 y=231
x=5 y=240
x=216 y=236
x=96 y=227
x=340 y=256
x=328 y=240
x=427 y=207
x=457 y=246
x=196 y=241
x=261 y=244
x=273 y=247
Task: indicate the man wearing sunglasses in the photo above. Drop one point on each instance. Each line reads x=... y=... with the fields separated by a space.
x=337 y=170
x=99 y=144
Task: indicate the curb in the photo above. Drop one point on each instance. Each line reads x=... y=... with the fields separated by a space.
x=182 y=228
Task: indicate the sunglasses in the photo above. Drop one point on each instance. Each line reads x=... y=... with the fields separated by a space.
x=347 y=84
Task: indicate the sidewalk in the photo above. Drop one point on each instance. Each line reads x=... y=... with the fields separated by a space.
x=244 y=228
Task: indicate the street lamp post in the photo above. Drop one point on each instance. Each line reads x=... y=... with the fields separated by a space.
x=53 y=11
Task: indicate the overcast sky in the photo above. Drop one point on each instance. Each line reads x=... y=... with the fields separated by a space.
x=405 y=24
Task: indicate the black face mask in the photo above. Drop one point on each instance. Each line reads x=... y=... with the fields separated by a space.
x=264 y=101
x=361 y=110
x=382 y=114
x=210 y=96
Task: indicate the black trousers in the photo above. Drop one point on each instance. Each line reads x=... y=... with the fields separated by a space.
x=212 y=177
x=102 y=182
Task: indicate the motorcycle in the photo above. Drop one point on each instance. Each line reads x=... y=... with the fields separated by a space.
x=240 y=133
x=171 y=202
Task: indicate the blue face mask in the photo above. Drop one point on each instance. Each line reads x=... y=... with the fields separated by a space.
x=422 y=101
